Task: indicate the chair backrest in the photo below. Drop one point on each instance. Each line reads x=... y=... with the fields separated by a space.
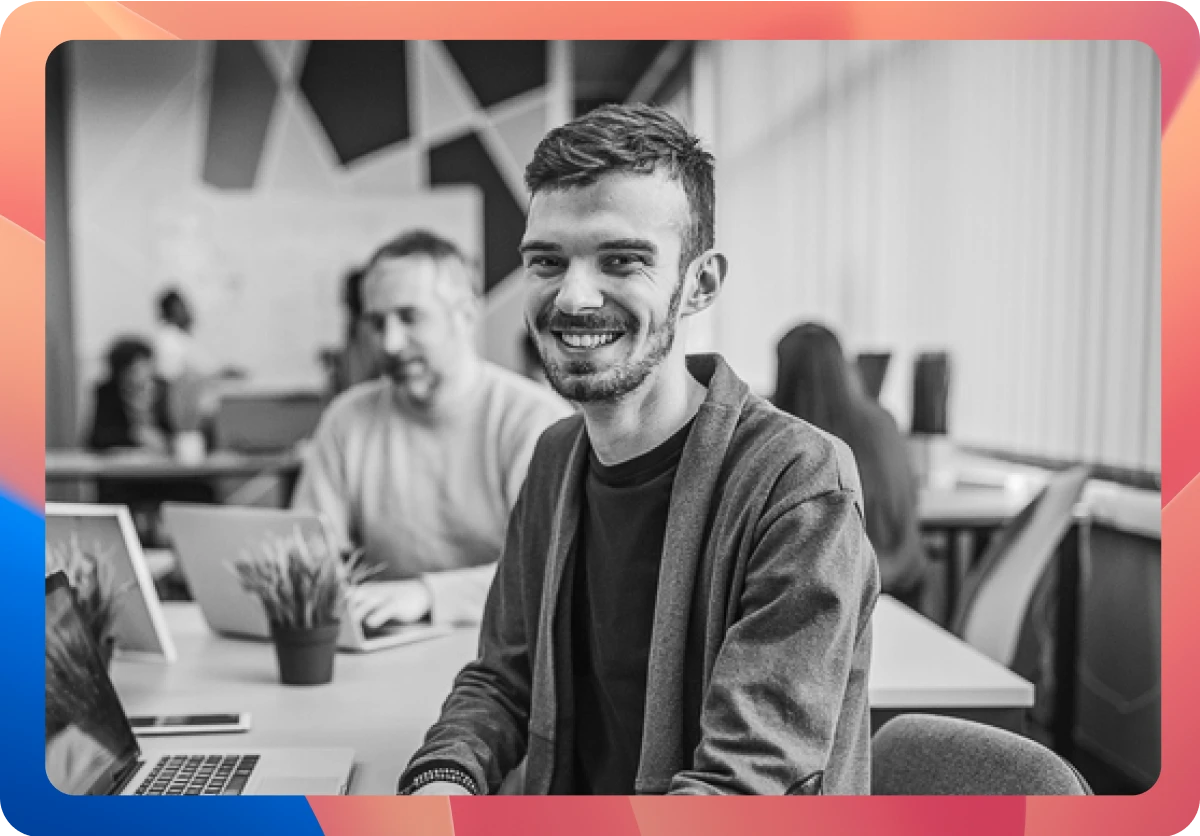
x=927 y=754
x=997 y=592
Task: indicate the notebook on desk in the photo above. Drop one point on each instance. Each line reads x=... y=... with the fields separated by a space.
x=91 y=749
x=209 y=537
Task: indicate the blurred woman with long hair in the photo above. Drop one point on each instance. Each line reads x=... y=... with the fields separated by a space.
x=816 y=383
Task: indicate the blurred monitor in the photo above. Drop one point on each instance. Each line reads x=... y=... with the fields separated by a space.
x=267 y=422
x=872 y=370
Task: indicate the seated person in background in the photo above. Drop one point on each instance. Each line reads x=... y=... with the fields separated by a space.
x=359 y=359
x=191 y=373
x=421 y=467
x=131 y=413
x=816 y=383
x=176 y=351
x=131 y=404
x=684 y=601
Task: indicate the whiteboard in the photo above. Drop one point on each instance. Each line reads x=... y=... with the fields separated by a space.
x=264 y=272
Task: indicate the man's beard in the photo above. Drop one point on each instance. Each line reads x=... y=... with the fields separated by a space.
x=416 y=381
x=582 y=381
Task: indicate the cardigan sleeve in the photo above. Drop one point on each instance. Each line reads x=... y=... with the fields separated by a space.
x=787 y=703
x=483 y=726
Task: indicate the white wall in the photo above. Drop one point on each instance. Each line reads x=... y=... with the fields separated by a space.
x=998 y=199
x=264 y=266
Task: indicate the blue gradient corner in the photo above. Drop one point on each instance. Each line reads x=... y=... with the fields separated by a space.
x=31 y=803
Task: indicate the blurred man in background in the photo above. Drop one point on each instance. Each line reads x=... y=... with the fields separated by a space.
x=421 y=467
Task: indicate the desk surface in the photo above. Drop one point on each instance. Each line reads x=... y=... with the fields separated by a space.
x=969 y=506
x=82 y=464
x=969 y=490
x=382 y=703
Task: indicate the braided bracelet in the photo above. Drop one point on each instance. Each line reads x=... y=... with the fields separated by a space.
x=441 y=773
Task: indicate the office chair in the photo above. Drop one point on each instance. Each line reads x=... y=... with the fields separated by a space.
x=1010 y=604
x=998 y=592
x=927 y=754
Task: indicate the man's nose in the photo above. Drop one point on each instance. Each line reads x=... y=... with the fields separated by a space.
x=395 y=336
x=578 y=292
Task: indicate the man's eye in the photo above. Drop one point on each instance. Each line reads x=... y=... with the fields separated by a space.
x=543 y=263
x=624 y=261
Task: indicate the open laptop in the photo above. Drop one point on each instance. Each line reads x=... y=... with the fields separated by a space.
x=209 y=537
x=107 y=533
x=91 y=749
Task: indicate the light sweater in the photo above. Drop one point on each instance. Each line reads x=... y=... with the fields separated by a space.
x=428 y=494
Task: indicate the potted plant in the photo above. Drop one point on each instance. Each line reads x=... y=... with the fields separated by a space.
x=303 y=588
x=97 y=593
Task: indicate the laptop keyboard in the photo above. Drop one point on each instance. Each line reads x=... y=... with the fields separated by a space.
x=199 y=775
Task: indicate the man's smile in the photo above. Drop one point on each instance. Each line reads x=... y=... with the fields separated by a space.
x=587 y=340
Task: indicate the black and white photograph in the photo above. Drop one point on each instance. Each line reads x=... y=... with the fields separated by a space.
x=605 y=417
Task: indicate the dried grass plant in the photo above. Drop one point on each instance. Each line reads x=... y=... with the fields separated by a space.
x=300 y=584
x=97 y=592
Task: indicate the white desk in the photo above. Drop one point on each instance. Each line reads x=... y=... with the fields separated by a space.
x=381 y=703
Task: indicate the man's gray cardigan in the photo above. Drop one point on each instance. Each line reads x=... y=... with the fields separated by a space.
x=757 y=679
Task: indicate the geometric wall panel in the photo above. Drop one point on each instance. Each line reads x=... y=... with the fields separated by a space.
x=243 y=96
x=284 y=57
x=359 y=91
x=298 y=156
x=522 y=130
x=392 y=171
x=499 y=70
x=464 y=160
x=442 y=99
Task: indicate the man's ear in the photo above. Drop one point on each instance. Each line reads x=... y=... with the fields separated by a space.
x=710 y=268
x=470 y=308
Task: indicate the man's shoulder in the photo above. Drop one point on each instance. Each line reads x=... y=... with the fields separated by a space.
x=789 y=455
x=357 y=402
x=522 y=396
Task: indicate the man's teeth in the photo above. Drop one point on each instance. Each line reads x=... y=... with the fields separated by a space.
x=588 y=340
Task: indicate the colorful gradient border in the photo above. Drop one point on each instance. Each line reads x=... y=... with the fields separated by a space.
x=31 y=32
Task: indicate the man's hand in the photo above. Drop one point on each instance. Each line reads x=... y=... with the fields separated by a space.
x=376 y=603
x=442 y=788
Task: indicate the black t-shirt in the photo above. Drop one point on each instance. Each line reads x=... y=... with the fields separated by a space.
x=624 y=520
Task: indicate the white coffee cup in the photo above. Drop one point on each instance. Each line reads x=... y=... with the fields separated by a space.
x=189 y=447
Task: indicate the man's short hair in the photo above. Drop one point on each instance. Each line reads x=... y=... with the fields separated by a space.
x=426 y=243
x=634 y=138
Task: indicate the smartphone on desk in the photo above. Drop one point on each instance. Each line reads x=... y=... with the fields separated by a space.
x=151 y=725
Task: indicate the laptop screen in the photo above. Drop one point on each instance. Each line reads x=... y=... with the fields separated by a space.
x=89 y=743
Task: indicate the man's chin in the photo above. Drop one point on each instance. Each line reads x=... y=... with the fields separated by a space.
x=417 y=389
x=596 y=387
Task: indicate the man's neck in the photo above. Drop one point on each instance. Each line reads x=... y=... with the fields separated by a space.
x=646 y=417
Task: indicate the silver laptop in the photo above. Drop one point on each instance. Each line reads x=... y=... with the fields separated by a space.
x=107 y=533
x=91 y=749
x=209 y=537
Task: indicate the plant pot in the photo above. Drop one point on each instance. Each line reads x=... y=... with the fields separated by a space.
x=305 y=654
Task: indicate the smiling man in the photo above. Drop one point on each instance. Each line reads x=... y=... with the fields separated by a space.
x=684 y=600
x=421 y=467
